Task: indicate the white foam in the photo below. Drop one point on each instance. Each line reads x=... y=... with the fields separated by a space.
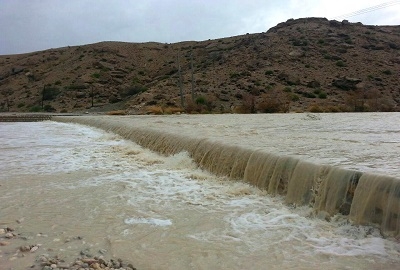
x=350 y=247
x=150 y=221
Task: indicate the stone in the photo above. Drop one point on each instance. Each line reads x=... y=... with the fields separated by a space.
x=346 y=83
x=9 y=235
x=296 y=53
x=63 y=265
x=2 y=231
x=95 y=265
x=24 y=248
x=34 y=248
x=4 y=243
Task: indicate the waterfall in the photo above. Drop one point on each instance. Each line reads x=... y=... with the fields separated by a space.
x=366 y=198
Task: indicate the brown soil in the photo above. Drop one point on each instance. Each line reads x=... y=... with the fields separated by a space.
x=307 y=64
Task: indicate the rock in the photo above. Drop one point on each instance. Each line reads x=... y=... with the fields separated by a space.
x=296 y=53
x=2 y=231
x=16 y=70
x=63 y=265
x=103 y=251
x=80 y=95
x=9 y=235
x=4 y=243
x=346 y=83
x=34 y=248
x=24 y=248
x=289 y=79
x=95 y=266
x=314 y=84
x=88 y=260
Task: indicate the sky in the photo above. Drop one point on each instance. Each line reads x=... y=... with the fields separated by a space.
x=33 y=25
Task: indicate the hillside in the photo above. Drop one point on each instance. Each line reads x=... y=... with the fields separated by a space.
x=309 y=64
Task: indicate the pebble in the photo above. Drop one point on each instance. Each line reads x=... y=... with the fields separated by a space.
x=85 y=262
x=9 y=235
x=24 y=248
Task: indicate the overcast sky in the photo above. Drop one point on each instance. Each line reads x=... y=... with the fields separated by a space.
x=32 y=25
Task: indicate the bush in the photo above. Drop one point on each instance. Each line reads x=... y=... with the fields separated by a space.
x=96 y=75
x=269 y=72
x=322 y=95
x=35 y=109
x=309 y=95
x=340 y=63
x=387 y=72
x=287 y=89
x=48 y=108
x=133 y=90
x=294 y=97
x=50 y=93
x=315 y=109
x=201 y=100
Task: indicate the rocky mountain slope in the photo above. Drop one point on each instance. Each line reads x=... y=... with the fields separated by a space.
x=309 y=64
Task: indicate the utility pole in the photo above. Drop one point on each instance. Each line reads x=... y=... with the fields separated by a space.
x=43 y=93
x=91 y=93
x=191 y=67
x=180 y=83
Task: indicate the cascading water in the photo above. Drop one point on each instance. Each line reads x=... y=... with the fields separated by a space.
x=365 y=197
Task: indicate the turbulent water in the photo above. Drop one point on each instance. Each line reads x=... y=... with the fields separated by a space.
x=76 y=189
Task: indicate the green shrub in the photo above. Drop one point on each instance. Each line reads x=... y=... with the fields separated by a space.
x=133 y=90
x=294 y=97
x=269 y=72
x=201 y=100
x=387 y=72
x=322 y=95
x=309 y=95
x=50 y=93
x=287 y=89
x=340 y=63
x=48 y=108
x=20 y=105
x=35 y=109
x=96 y=75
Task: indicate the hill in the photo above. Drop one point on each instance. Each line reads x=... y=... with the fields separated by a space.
x=309 y=64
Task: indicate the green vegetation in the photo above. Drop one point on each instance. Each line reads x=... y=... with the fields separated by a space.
x=95 y=75
x=50 y=93
x=201 y=100
x=35 y=109
x=287 y=89
x=387 y=72
x=269 y=72
x=133 y=90
x=340 y=63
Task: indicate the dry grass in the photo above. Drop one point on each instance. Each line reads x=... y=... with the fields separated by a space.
x=173 y=110
x=154 y=110
x=118 y=112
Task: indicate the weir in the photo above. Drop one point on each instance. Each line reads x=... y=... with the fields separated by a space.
x=366 y=198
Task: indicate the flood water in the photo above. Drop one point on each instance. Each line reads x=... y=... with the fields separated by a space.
x=73 y=188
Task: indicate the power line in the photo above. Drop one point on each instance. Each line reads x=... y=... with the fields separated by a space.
x=369 y=9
